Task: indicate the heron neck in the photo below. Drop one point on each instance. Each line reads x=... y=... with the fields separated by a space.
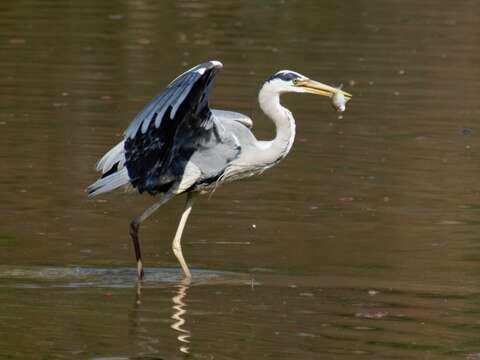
x=279 y=147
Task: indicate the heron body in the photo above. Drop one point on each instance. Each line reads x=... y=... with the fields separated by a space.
x=177 y=144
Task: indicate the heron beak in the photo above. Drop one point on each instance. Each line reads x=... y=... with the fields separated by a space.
x=317 y=88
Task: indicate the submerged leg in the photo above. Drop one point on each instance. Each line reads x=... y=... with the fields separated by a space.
x=135 y=226
x=176 y=246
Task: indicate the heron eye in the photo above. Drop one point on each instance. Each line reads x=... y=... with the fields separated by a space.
x=295 y=81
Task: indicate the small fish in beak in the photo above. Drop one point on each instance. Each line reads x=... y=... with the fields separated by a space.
x=338 y=96
x=339 y=101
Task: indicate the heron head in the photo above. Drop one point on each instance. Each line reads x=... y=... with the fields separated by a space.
x=291 y=81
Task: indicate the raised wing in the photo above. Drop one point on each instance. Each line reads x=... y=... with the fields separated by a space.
x=170 y=129
x=175 y=95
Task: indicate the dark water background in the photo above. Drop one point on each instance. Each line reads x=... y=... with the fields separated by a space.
x=363 y=243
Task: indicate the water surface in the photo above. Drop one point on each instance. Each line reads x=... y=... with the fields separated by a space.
x=362 y=243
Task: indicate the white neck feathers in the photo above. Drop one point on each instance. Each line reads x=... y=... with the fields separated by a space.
x=269 y=100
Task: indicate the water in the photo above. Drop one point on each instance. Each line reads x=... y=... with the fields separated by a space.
x=363 y=243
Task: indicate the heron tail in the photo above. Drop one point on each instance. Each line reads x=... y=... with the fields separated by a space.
x=108 y=183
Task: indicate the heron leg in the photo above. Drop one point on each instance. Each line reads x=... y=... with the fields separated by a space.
x=176 y=245
x=135 y=226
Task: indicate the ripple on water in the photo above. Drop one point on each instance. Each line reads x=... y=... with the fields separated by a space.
x=41 y=277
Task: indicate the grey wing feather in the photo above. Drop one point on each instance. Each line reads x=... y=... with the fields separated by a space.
x=115 y=155
x=215 y=152
x=105 y=184
x=224 y=115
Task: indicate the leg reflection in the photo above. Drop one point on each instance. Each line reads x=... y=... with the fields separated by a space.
x=144 y=341
x=179 y=308
x=138 y=294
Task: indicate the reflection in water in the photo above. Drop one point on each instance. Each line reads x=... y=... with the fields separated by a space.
x=179 y=310
x=138 y=294
x=139 y=332
x=149 y=344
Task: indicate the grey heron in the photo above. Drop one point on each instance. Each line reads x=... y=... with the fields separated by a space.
x=177 y=144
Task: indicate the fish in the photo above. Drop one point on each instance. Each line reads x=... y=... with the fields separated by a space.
x=339 y=101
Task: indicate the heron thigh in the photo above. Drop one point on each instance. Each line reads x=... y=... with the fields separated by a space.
x=190 y=176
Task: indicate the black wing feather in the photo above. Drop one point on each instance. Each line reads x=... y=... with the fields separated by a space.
x=174 y=124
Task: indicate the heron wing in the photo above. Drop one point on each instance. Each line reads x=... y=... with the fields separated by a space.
x=176 y=124
x=224 y=115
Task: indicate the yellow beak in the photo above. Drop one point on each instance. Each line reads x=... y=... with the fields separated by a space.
x=317 y=88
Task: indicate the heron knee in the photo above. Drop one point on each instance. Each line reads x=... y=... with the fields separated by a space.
x=134 y=226
x=177 y=249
